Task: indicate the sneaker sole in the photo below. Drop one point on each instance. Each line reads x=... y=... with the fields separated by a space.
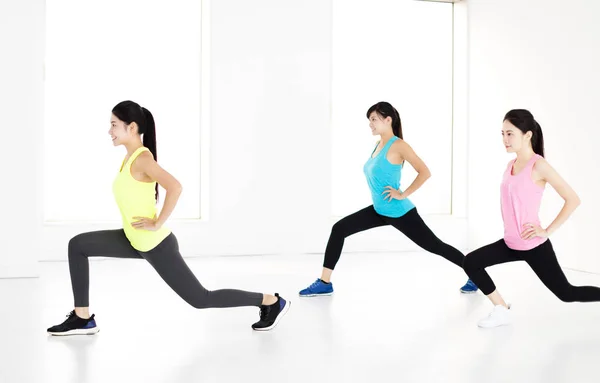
x=87 y=331
x=281 y=314
x=315 y=295
x=468 y=292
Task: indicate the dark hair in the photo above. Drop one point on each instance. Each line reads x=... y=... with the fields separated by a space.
x=523 y=119
x=128 y=112
x=385 y=109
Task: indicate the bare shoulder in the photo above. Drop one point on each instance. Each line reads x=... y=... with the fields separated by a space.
x=143 y=160
x=542 y=170
x=400 y=146
x=542 y=167
x=146 y=155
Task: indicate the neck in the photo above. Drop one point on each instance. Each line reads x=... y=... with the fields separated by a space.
x=385 y=137
x=525 y=154
x=133 y=146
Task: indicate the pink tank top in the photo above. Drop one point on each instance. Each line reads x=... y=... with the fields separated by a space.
x=520 y=199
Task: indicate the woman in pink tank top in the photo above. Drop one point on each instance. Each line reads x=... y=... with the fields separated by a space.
x=525 y=239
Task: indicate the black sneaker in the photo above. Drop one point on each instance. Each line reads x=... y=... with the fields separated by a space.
x=75 y=325
x=270 y=315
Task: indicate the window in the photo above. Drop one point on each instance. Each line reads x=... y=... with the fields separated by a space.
x=101 y=53
x=399 y=51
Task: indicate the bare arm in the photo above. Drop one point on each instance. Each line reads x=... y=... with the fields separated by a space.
x=408 y=154
x=155 y=172
x=548 y=174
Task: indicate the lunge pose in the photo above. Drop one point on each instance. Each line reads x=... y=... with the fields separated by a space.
x=525 y=239
x=391 y=205
x=144 y=235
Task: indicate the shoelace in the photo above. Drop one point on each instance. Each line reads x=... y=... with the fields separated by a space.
x=69 y=316
x=264 y=312
x=315 y=284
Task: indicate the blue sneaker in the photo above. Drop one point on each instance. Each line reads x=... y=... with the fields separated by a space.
x=469 y=288
x=317 y=288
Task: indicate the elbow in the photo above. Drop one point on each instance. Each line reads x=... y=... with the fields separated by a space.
x=572 y=201
x=175 y=189
x=575 y=201
x=426 y=174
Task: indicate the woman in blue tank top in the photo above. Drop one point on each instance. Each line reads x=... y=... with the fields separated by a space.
x=391 y=206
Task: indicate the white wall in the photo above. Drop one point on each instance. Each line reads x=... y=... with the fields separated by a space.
x=153 y=58
x=542 y=55
x=270 y=140
x=270 y=98
x=367 y=68
x=21 y=150
x=270 y=115
x=269 y=133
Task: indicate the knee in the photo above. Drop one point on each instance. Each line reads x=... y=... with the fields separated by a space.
x=202 y=300
x=339 y=230
x=566 y=295
x=199 y=304
x=75 y=245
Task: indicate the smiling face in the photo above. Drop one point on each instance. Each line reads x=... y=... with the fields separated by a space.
x=119 y=132
x=378 y=124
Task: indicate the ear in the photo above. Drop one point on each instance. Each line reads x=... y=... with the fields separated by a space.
x=389 y=119
x=528 y=135
x=132 y=128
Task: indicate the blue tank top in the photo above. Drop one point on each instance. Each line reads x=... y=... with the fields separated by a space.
x=381 y=173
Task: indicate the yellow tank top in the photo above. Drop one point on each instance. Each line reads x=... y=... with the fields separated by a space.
x=136 y=199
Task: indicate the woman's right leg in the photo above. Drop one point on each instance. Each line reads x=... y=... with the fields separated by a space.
x=493 y=254
x=362 y=220
x=474 y=265
x=105 y=243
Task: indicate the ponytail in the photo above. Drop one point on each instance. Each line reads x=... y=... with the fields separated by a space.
x=537 y=140
x=149 y=138
x=397 y=124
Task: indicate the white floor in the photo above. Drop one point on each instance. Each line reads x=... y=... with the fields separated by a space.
x=394 y=317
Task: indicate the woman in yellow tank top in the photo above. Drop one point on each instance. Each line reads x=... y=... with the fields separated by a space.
x=144 y=234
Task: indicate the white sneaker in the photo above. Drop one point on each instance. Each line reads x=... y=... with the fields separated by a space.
x=499 y=316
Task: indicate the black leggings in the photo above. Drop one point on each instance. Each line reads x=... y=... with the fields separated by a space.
x=410 y=224
x=166 y=260
x=541 y=259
